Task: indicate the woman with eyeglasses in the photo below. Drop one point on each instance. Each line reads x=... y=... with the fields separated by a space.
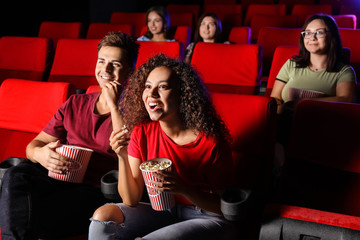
x=318 y=69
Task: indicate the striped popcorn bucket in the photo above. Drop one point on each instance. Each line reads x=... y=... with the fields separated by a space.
x=297 y=93
x=79 y=158
x=159 y=200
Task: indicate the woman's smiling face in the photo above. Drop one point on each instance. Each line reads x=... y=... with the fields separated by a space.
x=161 y=94
x=316 y=44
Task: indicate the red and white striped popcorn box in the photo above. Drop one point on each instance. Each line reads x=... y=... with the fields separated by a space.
x=79 y=158
x=159 y=200
x=297 y=93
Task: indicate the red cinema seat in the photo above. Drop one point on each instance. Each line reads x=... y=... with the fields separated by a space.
x=290 y=3
x=281 y=55
x=351 y=7
x=184 y=8
x=182 y=19
x=99 y=30
x=93 y=88
x=349 y=38
x=229 y=14
x=346 y=20
x=138 y=19
x=150 y=49
x=221 y=9
x=25 y=109
x=303 y=11
x=25 y=57
x=251 y=121
x=271 y=37
x=263 y=9
x=240 y=35
x=260 y=21
x=232 y=68
x=58 y=30
x=318 y=193
x=74 y=62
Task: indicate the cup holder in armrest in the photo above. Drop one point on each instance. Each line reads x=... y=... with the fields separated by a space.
x=109 y=185
x=235 y=203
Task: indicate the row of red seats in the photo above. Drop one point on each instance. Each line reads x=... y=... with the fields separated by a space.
x=26 y=107
x=74 y=60
x=317 y=196
x=221 y=65
x=259 y=16
x=256 y=15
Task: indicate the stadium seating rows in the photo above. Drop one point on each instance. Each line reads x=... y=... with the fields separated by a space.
x=52 y=66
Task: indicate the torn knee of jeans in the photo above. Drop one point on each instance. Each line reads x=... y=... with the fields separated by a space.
x=108 y=222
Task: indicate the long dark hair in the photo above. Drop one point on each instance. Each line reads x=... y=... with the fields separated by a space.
x=164 y=14
x=196 y=109
x=218 y=32
x=333 y=42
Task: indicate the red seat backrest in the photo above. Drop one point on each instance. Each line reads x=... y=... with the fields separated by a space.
x=251 y=121
x=184 y=8
x=99 y=30
x=263 y=9
x=281 y=55
x=25 y=57
x=25 y=109
x=58 y=30
x=74 y=62
x=303 y=11
x=240 y=35
x=346 y=20
x=322 y=168
x=182 y=19
x=93 y=88
x=138 y=19
x=312 y=118
x=260 y=21
x=150 y=49
x=234 y=68
x=349 y=38
x=271 y=37
x=222 y=9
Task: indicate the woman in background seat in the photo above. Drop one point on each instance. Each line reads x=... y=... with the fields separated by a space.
x=209 y=29
x=158 y=24
x=318 y=67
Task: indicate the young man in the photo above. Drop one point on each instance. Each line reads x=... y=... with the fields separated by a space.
x=34 y=205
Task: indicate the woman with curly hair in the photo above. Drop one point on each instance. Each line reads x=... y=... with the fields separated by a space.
x=169 y=113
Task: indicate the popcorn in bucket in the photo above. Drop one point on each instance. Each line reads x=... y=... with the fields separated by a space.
x=159 y=200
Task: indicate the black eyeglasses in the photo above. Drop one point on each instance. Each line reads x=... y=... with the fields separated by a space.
x=316 y=34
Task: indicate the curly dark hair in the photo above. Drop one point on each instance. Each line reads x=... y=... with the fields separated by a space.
x=196 y=109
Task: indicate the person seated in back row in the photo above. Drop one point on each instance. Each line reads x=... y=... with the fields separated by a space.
x=34 y=205
x=158 y=24
x=319 y=67
x=209 y=29
x=169 y=113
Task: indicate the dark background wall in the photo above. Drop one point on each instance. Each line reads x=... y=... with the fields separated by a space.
x=23 y=18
